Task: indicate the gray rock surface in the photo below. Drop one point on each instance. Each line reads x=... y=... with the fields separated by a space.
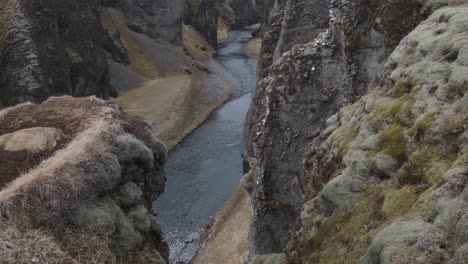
x=389 y=170
x=57 y=47
x=51 y=48
x=340 y=51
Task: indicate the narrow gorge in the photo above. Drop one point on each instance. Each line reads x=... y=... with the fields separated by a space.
x=234 y=131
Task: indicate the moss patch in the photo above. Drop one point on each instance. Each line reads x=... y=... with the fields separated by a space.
x=457 y=123
x=401 y=87
x=422 y=127
x=393 y=142
x=345 y=237
x=427 y=165
x=395 y=110
x=343 y=138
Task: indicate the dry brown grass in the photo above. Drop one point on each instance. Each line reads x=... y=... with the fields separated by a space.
x=88 y=141
x=4 y=112
x=24 y=245
x=39 y=209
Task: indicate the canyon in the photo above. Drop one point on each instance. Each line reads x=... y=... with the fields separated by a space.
x=234 y=131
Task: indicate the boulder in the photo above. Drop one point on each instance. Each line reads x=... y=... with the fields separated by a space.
x=33 y=140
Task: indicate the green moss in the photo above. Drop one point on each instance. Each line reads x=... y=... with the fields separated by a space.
x=401 y=87
x=393 y=142
x=395 y=111
x=343 y=138
x=427 y=165
x=73 y=56
x=457 y=123
x=421 y=128
x=345 y=237
x=462 y=160
x=420 y=208
x=399 y=201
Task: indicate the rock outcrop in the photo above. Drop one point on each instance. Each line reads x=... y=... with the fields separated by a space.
x=326 y=55
x=330 y=64
x=203 y=15
x=386 y=179
x=51 y=48
x=57 y=48
x=160 y=19
x=246 y=12
x=80 y=189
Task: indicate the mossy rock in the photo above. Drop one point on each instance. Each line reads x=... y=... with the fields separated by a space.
x=393 y=142
x=427 y=165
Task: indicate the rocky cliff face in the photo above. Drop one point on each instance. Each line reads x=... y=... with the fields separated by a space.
x=160 y=19
x=89 y=173
x=50 y=48
x=58 y=47
x=246 y=12
x=203 y=15
x=324 y=55
x=386 y=179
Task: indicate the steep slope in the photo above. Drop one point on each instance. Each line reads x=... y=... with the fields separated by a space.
x=341 y=49
x=61 y=47
x=385 y=182
x=50 y=48
x=89 y=175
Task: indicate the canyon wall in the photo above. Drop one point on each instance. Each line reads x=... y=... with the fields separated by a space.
x=62 y=48
x=78 y=177
x=50 y=48
x=317 y=57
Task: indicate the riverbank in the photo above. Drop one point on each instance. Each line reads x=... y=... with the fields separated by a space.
x=227 y=240
x=204 y=170
x=253 y=47
x=185 y=85
x=177 y=105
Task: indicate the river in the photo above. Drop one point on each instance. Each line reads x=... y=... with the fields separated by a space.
x=204 y=170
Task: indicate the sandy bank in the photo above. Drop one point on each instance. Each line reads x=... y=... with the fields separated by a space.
x=177 y=105
x=227 y=240
x=253 y=47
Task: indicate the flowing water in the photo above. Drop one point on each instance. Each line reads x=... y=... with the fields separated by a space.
x=204 y=170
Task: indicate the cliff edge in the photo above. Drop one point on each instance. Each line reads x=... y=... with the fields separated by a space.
x=356 y=135
x=78 y=178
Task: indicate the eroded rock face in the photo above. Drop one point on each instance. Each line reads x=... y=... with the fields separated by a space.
x=323 y=55
x=203 y=16
x=246 y=12
x=50 y=48
x=88 y=200
x=395 y=161
x=160 y=19
x=57 y=48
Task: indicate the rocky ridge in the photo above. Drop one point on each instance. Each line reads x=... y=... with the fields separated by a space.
x=341 y=190
x=86 y=198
